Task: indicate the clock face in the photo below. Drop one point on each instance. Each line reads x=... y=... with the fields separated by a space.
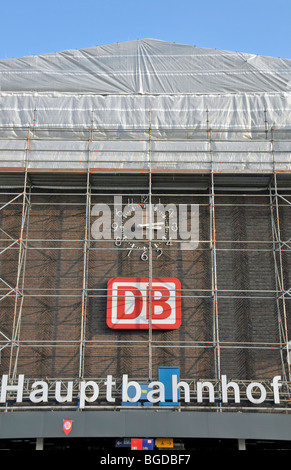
x=141 y=223
x=145 y=226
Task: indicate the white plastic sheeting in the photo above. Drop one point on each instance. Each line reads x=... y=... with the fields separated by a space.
x=146 y=66
x=150 y=104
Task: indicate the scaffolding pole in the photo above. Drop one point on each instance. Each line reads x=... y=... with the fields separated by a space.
x=86 y=248
x=19 y=287
x=279 y=279
x=214 y=285
x=150 y=234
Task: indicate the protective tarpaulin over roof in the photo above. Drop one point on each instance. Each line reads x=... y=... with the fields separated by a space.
x=205 y=107
x=146 y=66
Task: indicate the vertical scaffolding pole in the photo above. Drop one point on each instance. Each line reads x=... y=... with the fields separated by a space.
x=18 y=291
x=278 y=266
x=150 y=348
x=279 y=276
x=16 y=336
x=214 y=288
x=85 y=262
x=214 y=282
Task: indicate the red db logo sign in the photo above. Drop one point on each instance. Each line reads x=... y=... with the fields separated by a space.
x=129 y=303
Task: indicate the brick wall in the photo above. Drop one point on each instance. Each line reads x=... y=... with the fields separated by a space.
x=51 y=314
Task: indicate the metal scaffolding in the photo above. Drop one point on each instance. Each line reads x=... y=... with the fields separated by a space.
x=238 y=185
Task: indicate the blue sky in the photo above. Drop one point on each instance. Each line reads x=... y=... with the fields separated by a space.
x=37 y=27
